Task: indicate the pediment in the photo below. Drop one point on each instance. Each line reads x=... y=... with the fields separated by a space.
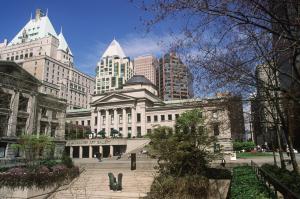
x=112 y=98
x=17 y=71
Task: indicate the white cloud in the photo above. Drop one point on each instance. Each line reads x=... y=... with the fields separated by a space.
x=136 y=45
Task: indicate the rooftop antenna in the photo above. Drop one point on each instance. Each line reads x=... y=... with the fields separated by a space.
x=47 y=12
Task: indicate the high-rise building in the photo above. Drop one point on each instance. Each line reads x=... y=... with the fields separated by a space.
x=146 y=65
x=173 y=78
x=47 y=56
x=113 y=69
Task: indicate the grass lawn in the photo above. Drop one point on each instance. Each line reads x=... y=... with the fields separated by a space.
x=252 y=155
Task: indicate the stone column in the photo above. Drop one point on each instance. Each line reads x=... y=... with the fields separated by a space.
x=71 y=152
x=111 y=150
x=101 y=149
x=107 y=121
x=31 y=110
x=143 y=120
x=98 y=121
x=116 y=119
x=124 y=118
x=12 y=122
x=133 y=122
x=90 y=151
x=80 y=151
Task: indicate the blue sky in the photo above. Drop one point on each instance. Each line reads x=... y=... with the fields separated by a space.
x=88 y=26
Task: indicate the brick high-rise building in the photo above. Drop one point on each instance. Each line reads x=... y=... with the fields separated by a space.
x=47 y=56
x=146 y=65
x=173 y=78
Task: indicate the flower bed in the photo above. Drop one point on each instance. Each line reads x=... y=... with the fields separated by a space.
x=41 y=177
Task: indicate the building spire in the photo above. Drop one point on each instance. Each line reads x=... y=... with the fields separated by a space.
x=61 y=29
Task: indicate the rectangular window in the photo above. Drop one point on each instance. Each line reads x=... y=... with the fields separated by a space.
x=138 y=117
x=103 y=120
x=82 y=123
x=129 y=118
x=139 y=131
x=120 y=119
x=89 y=122
x=96 y=120
x=148 y=118
x=176 y=116
x=216 y=129
x=148 y=131
x=23 y=103
x=162 y=117
x=155 y=118
x=170 y=117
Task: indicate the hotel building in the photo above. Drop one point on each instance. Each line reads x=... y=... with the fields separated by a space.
x=113 y=69
x=47 y=56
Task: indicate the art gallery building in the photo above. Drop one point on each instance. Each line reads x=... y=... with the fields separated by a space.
x=136 y=110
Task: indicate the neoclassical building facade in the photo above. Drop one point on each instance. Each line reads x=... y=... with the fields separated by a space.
x=24 y=110
x=136 y=110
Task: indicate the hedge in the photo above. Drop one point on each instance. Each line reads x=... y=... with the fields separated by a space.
x=247 y=146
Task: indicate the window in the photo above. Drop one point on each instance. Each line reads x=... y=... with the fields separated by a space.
x=120 y=119
x=162 y=117
x=155 y=118
x=82 y=123
x=89 y=122
x=103 y=120
x=176 y=116
x=139 y=132
x=138 y=117
x=148 y=131
x=148 y=118
x=129 y=118
x=216 y=129
x=170 y=117
x=76 y=122
x=96 y=120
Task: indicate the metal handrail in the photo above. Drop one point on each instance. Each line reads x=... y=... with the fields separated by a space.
x=266 y=178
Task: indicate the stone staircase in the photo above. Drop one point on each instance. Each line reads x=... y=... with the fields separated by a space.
x=93 y=183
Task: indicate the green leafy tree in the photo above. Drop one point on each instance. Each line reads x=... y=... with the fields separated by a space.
x=101 y=133
x=35 y=147
x=114 y=132
x=185 y=151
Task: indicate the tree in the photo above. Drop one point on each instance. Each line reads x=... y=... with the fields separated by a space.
x=226 y=41
x=185 y=151
x=102 y=133
x=34 y=147
x=114 y=132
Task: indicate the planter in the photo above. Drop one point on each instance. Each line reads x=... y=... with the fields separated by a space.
x=218 y=189
x=33 y=192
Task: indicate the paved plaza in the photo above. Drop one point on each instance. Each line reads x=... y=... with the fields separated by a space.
x=93 y=181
